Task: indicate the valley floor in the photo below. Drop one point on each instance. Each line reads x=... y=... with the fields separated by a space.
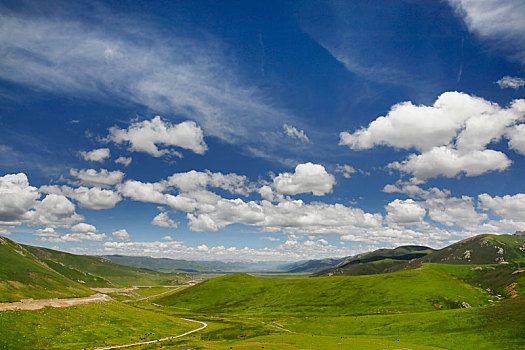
x=110 y=324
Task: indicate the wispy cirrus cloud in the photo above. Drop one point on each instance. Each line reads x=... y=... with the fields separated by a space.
x=106 y=57
x=294 y=133
x=499 y=21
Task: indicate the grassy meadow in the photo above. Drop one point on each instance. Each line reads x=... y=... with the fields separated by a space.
x=431 y=288
x=85 y=326
x=433 y=306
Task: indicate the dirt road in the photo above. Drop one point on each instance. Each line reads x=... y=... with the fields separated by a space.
x=204 y=325
x=151 y=296
x=31 y=304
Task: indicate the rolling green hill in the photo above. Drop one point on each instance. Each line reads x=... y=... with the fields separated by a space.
x=377 y=261
x=23 y=275
x=478 y=250
x=95 y=271
x=35 y=272
x=312 y=265
x=481 y=249
x=432 y=287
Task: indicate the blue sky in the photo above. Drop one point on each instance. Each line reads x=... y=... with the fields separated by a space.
x=260 y=130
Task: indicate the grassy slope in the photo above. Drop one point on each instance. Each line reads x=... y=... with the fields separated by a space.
x=85 y=326
x=377 y=261
x=489 y=327
x=100 y=272
x=407 y=291
x=495 y=327
x=482 y=249
x=313 y=265
x=22 y=275
x=140 y=293
x=368 y=268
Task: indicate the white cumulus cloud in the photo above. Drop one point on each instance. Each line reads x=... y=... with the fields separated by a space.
x=101 y=178
x=196 y=181
x=405 y=212
x=96 y=155
x=448 y=162
x=510 y=207
x=511 y=82
x=83 y=227
x=16 y=197
x=122 y=235
x=91 y=198
x=54 y=210
x=163 y=220
x=74 y=237
x=308 y=177
x=147 y=135
x=451 y=136
x=516 y=136
x=123 y=160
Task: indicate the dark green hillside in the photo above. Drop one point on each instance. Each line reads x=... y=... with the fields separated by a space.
x=481 y=249
x=368 y=268
x=312 y=265
x=22 y=275
x=101 y=272
x=377 y=261
x=427 y=289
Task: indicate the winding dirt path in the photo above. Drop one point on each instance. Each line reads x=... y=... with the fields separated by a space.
x=151 y=296
x=41 y=303
x=204 y=325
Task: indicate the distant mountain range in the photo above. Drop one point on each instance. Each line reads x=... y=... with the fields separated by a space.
x=482 y=249
x=180 y=265
x=36 y=272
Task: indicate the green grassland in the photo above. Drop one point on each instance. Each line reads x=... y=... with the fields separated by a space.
x=430 y=288
x=141 y=292
x=420 y=308
x=238 y=332
x=387 y=311
x=22 y=275
x=496 y=327
x=84 y=326
x=492 y=327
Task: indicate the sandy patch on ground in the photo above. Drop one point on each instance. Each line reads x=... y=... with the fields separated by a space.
x=30 y=304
